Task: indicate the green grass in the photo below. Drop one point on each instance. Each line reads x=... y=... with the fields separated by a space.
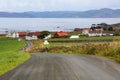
x=9 y=57
x=89 y=38
x=106 y=49
x=52 y=44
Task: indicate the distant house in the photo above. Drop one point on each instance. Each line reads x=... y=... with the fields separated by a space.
x=61 y=34
x=32 y=35
x=95 y=33
x=74 y=36
x=12 y=34
x=22 y=34
x=85 y=31
x=31 y=38
x=36 y=33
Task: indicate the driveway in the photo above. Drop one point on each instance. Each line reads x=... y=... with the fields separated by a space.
x=65 y=67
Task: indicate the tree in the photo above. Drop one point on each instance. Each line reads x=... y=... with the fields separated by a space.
x=110 y=29
x=43 y=34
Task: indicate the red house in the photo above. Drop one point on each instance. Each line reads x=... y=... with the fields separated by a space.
x=22 y=34
x=61 y=34
x=36 y=33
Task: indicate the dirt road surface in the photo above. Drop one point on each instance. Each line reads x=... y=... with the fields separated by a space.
x=27 y=47
x=65 y=67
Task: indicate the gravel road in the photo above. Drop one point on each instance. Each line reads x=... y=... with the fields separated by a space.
x=65 y=67
x=27 y=47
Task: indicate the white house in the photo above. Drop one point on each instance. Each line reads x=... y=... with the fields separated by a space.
x=15 y=35
x=74 y=36
x=95 y=33
x=22 y=35
x=31 y=37
x=12 y=34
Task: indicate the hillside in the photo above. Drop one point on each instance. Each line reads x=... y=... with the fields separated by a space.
x=101 y=13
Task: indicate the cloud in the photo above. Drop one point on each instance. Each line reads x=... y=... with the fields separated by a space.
x=56 y=5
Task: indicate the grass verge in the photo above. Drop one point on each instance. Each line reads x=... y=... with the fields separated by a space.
x=9 y=57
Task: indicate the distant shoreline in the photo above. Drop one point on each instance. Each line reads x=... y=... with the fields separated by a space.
x=100 y=13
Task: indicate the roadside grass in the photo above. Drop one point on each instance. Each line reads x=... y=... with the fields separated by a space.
x=106 y=49
x=88 y=38
x=110 y=50
x=9 y=55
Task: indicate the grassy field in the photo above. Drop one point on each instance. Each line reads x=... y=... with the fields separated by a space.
x=9 y=57
x=89 y=38
x=107 y=49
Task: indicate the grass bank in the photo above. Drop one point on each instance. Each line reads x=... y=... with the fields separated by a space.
x=9 y=57
x=110 y=49
x=106 y=49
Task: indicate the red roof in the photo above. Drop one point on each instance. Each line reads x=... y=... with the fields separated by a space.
x=36 y=33
x=61 y=34
x=22 y=34
x=33 y=34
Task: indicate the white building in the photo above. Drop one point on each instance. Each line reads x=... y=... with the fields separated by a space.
x=12 y=34
x=74 y=36
x=31 y=38
x=95 y=33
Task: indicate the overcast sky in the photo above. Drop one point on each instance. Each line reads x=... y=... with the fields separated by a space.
x=56 y=5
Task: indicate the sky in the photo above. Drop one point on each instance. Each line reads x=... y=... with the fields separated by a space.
x=56 y=5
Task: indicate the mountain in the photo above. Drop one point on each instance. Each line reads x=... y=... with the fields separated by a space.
x=101 y=13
